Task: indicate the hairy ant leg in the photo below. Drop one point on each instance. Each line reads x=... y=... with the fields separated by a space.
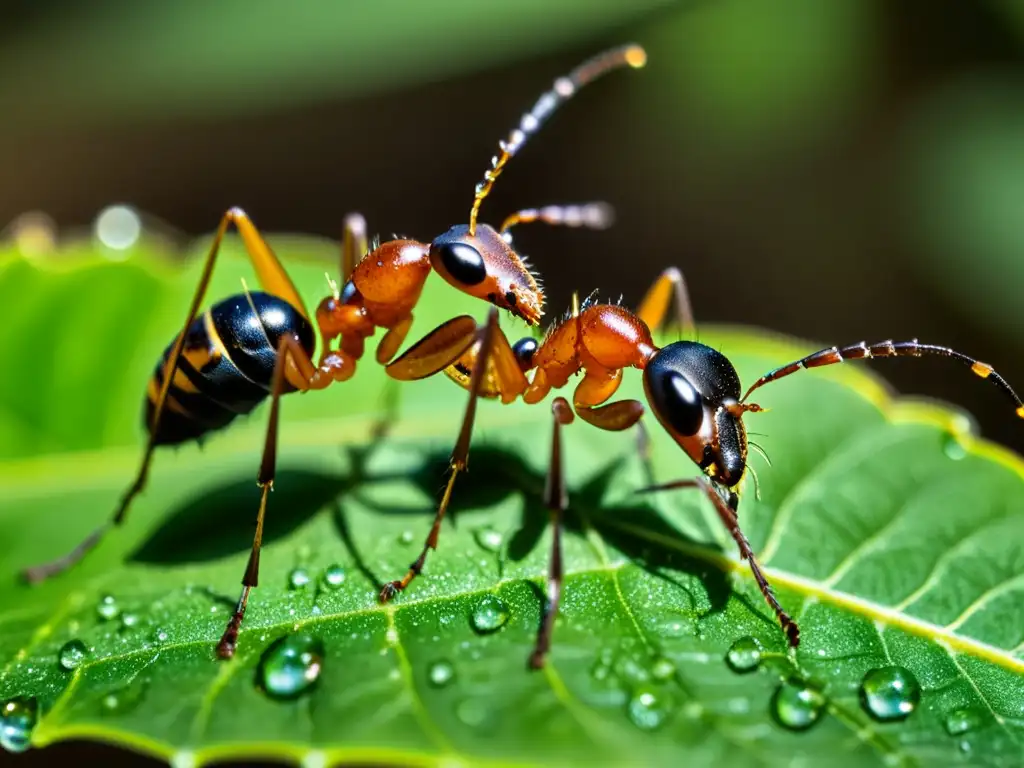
x=556 y=499
x=288 y=350
x=460 y=456
x=727 y=513
x=653 y=308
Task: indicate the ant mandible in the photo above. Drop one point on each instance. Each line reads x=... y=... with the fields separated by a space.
x=694 y=391
x=254 y=344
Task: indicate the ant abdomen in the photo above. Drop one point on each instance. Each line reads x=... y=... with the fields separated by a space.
x=226 y=366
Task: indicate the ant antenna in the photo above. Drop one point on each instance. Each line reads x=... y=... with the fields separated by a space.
x=589 y=215
x=562 y=90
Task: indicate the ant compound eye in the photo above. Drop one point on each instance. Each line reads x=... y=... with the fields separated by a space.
x=524 y=350
x=677 y=402
x=462 y=261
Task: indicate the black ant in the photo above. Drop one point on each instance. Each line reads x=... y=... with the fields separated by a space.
x=694 y=391
x=254 y=344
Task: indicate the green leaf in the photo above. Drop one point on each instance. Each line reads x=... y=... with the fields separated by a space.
x=889 y=531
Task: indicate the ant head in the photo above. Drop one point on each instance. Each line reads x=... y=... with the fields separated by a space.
x=694 y=391
x=484 y=265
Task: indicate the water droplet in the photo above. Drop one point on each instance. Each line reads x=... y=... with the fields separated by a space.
x=797 y=706
x=334 y=576
x=406 y=537
x=489 y=615
x=631 y=669
x=129 y=620
x=663 y=669
x=601 y=670
x=744 y=655
x=290 y=666
x=71 y=654
x=17 y=719
x=647 y=709
x=961 y=721
x=108 y=608
x=159 y=636
x=488 y=538
x=298 y=578
x=472 y=712
x=122 y=700
x=441 y=673
x=890 y=693
x=954 y=448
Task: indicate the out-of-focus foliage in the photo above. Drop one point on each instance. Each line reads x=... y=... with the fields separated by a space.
x=116 y=60
x=964 y=195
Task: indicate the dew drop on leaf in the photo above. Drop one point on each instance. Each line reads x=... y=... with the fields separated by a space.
x=122 y=700
x=159 y=636
x=890 y=693
x=298 y=578
x=953 y=447
x=489 y=615
x=71 y=654
x=663 y=669
x=129 y=621
x=107 y=608
x=440 y=673
x=471 y=712
x=334 y=576
x=631 y=670
x=962 y=721
x=797 y=706
x=488 y=538
x=744 y=655
x=290 y=666
x=647 y=708
x=406 y=537
x=17 y=719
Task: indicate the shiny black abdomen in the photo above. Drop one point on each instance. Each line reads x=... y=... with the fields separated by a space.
x=227 y=365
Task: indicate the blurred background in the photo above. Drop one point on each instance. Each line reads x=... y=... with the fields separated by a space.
x=835 y=170
x=832 y=169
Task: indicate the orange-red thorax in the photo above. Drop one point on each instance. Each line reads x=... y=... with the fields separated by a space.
x=603 y=334
x=394 y=273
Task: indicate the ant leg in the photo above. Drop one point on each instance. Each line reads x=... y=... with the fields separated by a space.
x=275 y=280
x=504 y=379
x=435 y=351
x=912 y=348
x=654 y=305
x=393 y=339
x=595 y=388
x=288 y=349
x=353 y=245
x=556 y=499
x=460 y=455
x=727 y=513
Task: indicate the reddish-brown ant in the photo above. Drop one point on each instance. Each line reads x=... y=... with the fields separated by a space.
x=693 y=390
x=254 y=344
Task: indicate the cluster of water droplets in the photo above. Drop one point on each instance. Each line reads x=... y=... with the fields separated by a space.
x=887 y=694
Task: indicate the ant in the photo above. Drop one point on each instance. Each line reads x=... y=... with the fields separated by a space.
x=694 y=391
x=229 y=359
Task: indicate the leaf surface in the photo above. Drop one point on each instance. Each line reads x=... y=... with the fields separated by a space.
x=889 y=531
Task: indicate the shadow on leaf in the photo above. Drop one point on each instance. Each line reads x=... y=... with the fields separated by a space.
x=221 y=522
x=498 y=473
